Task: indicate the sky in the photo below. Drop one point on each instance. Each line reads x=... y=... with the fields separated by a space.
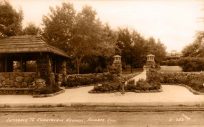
x=174 y=22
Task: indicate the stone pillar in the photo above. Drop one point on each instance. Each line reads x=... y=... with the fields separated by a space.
x=64 y=71
x=150 y=63
x=117 y=65
x=62 y=77
x=44 y=68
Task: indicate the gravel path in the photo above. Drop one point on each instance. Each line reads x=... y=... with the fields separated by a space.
x=137 y=77
x=171 y=95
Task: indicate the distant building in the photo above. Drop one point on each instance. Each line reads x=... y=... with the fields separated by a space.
x=173 y=55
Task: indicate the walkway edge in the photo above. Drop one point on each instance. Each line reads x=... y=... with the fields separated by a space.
x=103 y=107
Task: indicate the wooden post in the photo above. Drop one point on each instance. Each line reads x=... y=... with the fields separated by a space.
x=9 y=65
x=55 y=66
x=23 y=64
x=5 y=64
x=1 y=65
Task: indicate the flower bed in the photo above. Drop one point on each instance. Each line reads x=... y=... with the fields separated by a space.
x=107 y=87
x=195 y=80
x=114 y=85
x=142 y=86
x=86 y=79
x=152 y=84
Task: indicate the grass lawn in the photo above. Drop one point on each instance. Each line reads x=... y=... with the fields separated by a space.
x=171 y=69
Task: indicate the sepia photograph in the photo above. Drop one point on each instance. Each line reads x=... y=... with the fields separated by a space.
x=101 y=63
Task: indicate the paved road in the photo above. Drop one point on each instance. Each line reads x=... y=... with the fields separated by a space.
x=102 y=119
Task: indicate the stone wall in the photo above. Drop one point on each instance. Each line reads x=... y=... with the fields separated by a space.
x=17 y=79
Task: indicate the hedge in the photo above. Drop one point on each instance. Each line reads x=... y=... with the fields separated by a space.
x=188 y=64
x=75 y=80
x=142 y=85
x=193 y=79
x=171 y=62
x=107 y=87
x=192 y=64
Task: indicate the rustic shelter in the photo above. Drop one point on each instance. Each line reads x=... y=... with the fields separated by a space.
x=25 y=58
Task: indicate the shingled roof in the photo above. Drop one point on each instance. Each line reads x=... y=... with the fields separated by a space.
x=27 y=44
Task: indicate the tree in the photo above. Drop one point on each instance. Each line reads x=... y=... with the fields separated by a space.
x=58 y=26
x=160 y=52
x=125 y=44
x=140 y=50
x=108 y=39
x=100 y=60
x=10 y=20
x=79 y=34
x=134 y=48
x=87 y=35
x=156 y=48
x=31 y=29
x=195 y=49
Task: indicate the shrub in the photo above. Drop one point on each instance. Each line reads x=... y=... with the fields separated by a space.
x=171 y=62
x=153 y=76
x=86 y=79
x=47 y=90
x=106 y=87
x=130 y=87
x=142 y=85
x=190 y=64
x=131 y=82
x=117 y=83
x=192 y=79
x=155 y=85
x=196 y=84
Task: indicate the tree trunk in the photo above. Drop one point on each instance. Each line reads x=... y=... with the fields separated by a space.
x=131 y=64
x=78 y=62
